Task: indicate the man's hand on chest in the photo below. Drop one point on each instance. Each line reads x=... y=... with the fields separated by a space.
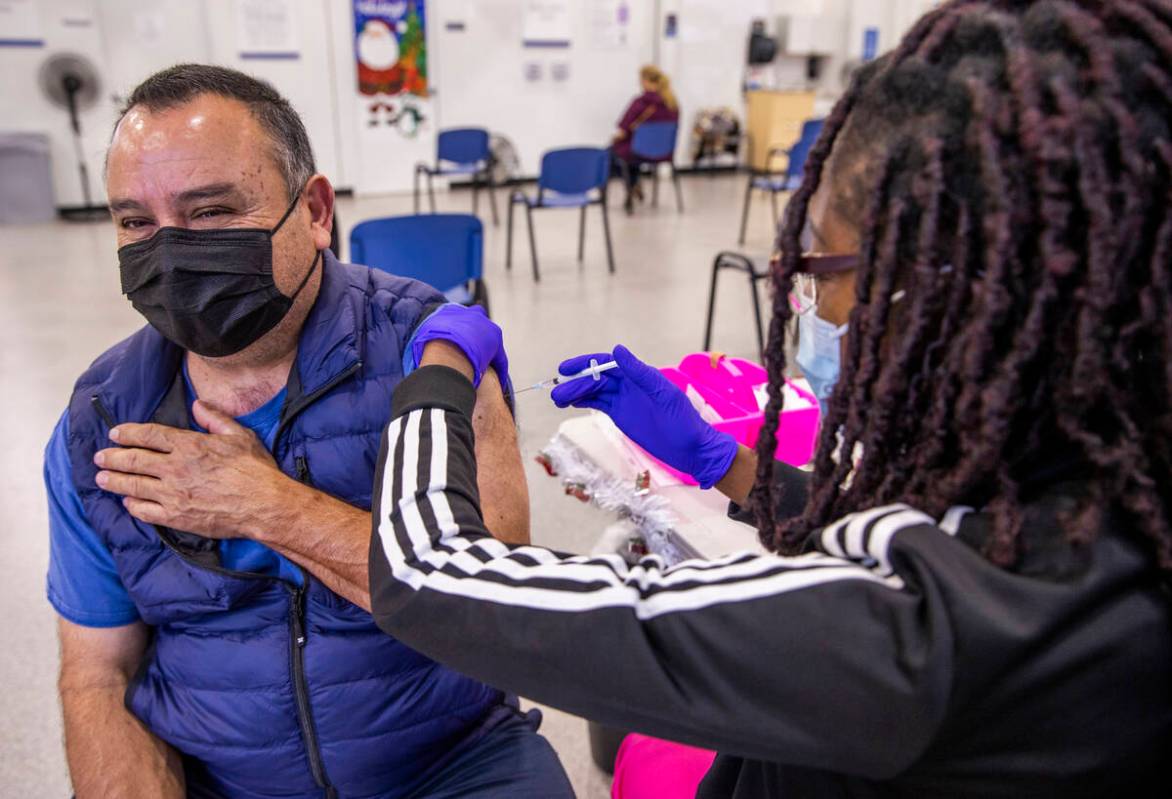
x=220 y=484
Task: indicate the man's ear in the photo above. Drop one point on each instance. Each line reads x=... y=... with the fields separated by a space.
x=320 y=195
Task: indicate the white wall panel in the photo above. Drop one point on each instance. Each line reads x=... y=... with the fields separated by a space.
x=481 y=76
x=478 y=72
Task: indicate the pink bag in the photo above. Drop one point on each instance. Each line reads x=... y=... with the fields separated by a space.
x=648 y=768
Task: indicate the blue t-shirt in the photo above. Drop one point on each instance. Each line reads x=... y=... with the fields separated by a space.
x=83 y=582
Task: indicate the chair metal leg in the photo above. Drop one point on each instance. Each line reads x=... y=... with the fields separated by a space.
x=475 y=194
x=606 y=231
x=581 y=233
x=532 y=243
x=655 y=185
x=509 y=235
x=430 y=192
x=492 y=198
x=773 y=205
x=675 y=179
x=629 y=197
x=711 y=305
x=757 y=314
x=415 y=189
x=745 y=213
x=480 y=296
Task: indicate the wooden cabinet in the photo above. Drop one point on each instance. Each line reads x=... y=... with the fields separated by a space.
x=775 y=120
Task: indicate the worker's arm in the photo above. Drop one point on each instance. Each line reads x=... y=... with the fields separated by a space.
x=738 y=480
x=110 y=752
x=817 y=661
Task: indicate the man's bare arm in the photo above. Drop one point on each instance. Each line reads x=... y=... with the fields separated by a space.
x=504 y=492
x=110 y=752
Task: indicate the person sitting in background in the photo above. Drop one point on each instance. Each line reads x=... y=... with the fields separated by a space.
x=657 y=103
x=212 y=586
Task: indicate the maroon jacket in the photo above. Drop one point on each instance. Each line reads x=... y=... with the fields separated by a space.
x=647 y=107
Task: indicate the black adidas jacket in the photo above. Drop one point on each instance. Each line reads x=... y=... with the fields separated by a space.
x=892 y=661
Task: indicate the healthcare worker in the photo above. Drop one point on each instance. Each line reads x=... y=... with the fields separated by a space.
x=973 y=599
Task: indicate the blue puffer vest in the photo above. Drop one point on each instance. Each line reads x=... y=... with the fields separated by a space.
x=267 y=688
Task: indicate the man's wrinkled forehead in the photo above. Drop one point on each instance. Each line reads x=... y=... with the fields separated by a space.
x=207 y=136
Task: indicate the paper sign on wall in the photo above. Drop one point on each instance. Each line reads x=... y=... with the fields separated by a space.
x=546 y=23
x=609 y=23
x=266 y=29
x=20 y=24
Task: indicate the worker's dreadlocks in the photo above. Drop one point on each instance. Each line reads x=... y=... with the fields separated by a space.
x=1010 y=167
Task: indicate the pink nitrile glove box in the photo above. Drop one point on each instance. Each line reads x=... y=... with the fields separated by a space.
x=730 y=387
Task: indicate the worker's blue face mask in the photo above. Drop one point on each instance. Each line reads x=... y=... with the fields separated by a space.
x=819 y=351
x=208 y=291
x=819 y=355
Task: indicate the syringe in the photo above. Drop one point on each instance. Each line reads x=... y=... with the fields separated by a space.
x=594 y=370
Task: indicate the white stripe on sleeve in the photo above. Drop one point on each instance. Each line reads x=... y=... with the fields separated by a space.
x=601 y=582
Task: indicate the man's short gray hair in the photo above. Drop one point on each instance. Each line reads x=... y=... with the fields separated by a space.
x=181 y=83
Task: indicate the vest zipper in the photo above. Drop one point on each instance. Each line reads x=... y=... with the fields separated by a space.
x=103 y=412
x=298 y=635
x=297 y=632
x=297 y=639
x=306 y=400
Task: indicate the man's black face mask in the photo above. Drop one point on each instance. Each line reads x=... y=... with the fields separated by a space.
x=208 y=291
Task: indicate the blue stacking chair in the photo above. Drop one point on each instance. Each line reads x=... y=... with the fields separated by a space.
x=655 y=143
x=574 y=177
x=446 y=251
x=779 y=182
x=460 y=151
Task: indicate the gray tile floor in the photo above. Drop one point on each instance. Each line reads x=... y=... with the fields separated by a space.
x=60 y=307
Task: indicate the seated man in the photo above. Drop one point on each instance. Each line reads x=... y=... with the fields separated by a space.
x=210 y=486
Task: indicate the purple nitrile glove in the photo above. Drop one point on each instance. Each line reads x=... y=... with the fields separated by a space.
x=473 y=332
x=652 y=412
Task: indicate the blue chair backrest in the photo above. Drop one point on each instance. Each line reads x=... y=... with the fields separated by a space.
x=463 y=145
x=442 y=250
x=798 y=154
x=655 y=141
x=574 y=170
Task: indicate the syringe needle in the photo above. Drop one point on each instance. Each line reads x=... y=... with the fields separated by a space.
x=594 y=370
